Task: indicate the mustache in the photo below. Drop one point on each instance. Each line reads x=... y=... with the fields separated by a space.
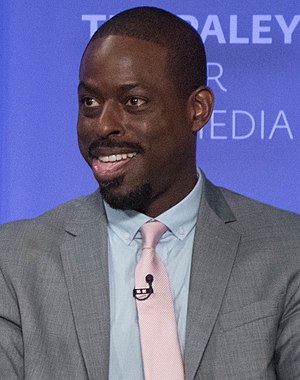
x=109 y=143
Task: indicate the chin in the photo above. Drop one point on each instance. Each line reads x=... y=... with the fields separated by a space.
x=137 y=199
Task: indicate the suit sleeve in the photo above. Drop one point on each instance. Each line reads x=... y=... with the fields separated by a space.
x=288 y=341
x=11 y=342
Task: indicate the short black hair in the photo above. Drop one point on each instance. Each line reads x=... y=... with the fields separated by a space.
x=186 y=53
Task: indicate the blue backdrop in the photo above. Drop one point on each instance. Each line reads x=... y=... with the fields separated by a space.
x=251 y=144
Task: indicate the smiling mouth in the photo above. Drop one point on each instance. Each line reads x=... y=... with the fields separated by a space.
x=117 y=157
x=106 y=168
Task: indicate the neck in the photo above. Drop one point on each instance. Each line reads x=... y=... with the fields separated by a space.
x=166 y=200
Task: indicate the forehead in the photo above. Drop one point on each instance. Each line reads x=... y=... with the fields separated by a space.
x=123 y=57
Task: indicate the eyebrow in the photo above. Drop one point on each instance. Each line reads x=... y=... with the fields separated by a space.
x=121 y=89
x=84 y=87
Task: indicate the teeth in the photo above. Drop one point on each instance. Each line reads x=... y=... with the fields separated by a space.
x=112 y=158
x=116 y=157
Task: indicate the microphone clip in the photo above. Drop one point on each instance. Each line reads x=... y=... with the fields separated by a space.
x=142 y=294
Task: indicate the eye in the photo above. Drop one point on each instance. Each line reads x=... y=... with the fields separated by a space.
x=90 y=102
x=135 y=102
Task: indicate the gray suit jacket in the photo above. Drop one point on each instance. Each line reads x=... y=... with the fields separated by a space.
x=244 y=302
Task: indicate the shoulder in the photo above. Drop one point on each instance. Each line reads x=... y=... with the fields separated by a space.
x=257 y=224
x=231 y=206
x=247 y=209
x=264 y=227
x=55 y=216
x=44 y=232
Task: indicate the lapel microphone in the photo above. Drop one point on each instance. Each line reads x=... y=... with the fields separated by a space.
x=143 y=294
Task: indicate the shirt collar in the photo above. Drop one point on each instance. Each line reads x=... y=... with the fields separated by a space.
x=180 y=219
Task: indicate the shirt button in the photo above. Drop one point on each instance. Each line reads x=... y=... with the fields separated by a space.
x=126 y=236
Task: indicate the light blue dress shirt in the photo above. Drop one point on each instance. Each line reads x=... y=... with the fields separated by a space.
x=174 y=249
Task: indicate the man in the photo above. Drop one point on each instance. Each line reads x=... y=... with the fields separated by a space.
x=66 y=305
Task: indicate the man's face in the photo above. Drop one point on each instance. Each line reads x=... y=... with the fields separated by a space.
x=133 y=129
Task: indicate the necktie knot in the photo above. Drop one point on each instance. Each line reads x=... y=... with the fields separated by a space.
x=151 y=233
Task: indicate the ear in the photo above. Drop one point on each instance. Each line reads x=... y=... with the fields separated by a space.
x=201 y=106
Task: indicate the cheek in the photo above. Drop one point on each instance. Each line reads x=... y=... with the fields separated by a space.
x=168 y=135
x=83 y=137
x=85 y=129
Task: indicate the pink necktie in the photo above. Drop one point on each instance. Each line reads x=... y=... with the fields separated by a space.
x=158 y=332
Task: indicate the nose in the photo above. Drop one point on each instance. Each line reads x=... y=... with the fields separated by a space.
x=110 y=120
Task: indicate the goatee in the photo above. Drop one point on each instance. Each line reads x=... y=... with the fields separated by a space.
x=138 y=199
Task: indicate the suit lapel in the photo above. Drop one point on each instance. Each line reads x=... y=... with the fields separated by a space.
x=84 y=257
x=214 y=252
